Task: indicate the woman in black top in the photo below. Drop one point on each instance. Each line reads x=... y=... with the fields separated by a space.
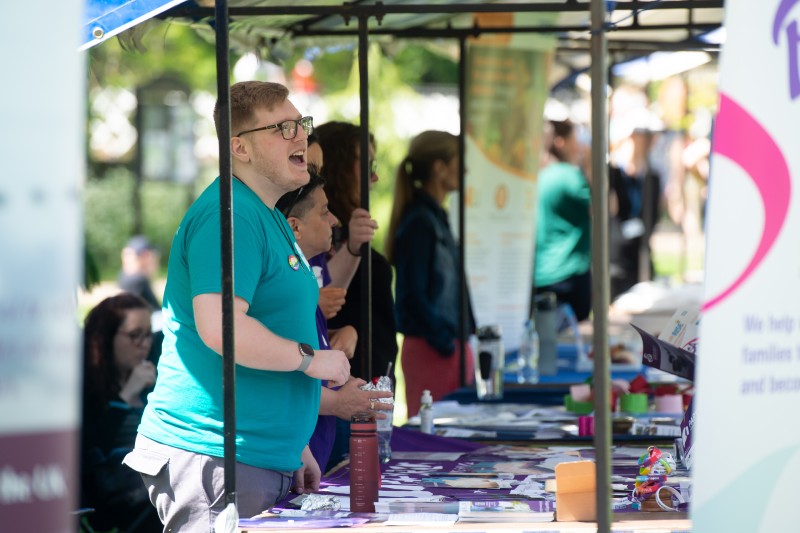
x=421 y=246
x=340 y=142
x=117 y=375
x=341 y=168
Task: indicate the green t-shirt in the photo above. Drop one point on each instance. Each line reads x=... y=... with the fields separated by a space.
x=563 y=224
x=275 y=411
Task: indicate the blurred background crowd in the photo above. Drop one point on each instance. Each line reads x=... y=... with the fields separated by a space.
x=152 y=145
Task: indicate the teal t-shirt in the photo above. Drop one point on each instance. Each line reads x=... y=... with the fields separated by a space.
x=563 y=224
x=275 y=411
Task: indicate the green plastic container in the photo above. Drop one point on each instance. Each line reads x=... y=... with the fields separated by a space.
x=635 y=403
x=581 y=408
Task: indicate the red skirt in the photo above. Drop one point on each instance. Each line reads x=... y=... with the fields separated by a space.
x=424 y=368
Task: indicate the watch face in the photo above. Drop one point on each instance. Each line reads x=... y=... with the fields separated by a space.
x=306 y=350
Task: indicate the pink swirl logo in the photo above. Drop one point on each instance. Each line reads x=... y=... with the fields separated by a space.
x=759 y=156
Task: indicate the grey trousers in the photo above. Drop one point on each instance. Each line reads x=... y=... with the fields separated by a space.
x=188 y=489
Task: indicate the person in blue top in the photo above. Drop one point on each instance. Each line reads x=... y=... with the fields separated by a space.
x=425 y=253
x=563 y=224
x=179 y=449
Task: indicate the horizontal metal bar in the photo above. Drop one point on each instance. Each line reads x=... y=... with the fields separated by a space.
x=477 y=30
x=645 y=47
x=355 y=10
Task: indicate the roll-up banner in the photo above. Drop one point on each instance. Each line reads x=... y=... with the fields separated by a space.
x=42 y=105
x=747 y=442
x=507 y=84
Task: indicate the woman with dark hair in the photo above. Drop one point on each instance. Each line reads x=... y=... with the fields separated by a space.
x=340 y=142
x=563 y=224
x=425 y=254
x=116 y=342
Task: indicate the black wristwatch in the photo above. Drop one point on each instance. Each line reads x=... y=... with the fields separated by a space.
x=308 y=354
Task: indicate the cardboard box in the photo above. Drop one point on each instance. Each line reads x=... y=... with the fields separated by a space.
x=576 y=492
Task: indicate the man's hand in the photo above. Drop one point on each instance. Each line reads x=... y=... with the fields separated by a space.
x=350 y=399
x=331 y=300
x=344 y=339
x=331 y=365
x=361 y=229
x=306 y=478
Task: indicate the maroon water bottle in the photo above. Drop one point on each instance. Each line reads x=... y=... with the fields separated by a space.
x=364 y=463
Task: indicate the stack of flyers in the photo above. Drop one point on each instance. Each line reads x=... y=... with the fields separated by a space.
x=506 y=511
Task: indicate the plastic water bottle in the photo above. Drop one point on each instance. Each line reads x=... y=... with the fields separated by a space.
x=385 y=436
x=426 y=412
x=384 y=425
x=528 y=355
x=582 y=361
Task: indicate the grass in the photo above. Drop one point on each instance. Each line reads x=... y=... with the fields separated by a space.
x=675 y=266
x=400 y=404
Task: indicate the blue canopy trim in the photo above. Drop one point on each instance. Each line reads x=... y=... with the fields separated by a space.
x=107 y=18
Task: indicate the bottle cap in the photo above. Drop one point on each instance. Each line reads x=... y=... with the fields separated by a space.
x=426 y=396
x=546 y=301
x=363 y=421
x=492 y=332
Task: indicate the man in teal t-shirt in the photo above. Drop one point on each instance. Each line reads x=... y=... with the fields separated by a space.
x=278 y=364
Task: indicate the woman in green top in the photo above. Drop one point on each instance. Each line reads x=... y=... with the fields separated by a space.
x=563 y=224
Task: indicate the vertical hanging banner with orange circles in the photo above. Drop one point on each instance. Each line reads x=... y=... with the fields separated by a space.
x=507 y=84
x=746 y=436
x=40 y=269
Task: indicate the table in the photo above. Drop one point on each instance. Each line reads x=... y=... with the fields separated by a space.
x=501 y=421
x=417 y=456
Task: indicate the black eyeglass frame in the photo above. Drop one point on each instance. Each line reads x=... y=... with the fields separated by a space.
x=137 y=338
x=287 y=212
x=309 y=127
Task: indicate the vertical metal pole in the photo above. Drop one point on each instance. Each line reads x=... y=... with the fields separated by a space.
x=463 y=301
x=600 y=279
x=648 y=218
x=136 y=197
x=365 y=335
x=226 y=238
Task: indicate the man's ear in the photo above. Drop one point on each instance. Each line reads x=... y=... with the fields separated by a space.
x=240 y=150
x=294 y=223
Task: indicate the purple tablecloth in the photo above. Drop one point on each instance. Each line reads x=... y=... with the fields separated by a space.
x=408 y=440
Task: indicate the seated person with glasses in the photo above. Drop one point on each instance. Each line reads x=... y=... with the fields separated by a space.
x=117 y=377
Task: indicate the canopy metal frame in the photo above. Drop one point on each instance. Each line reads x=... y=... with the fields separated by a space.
x=598 y=30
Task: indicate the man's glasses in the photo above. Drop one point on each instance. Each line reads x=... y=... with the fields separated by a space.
x=288 y=128
x=287 y=209
x=137 y=338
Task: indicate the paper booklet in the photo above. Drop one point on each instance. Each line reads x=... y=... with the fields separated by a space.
x=506 y=511
x=674 y=350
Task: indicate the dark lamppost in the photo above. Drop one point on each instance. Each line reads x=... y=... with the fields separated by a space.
x=165 y=124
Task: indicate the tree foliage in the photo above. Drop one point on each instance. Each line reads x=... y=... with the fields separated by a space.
x=161 y=49
x=155 y=50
